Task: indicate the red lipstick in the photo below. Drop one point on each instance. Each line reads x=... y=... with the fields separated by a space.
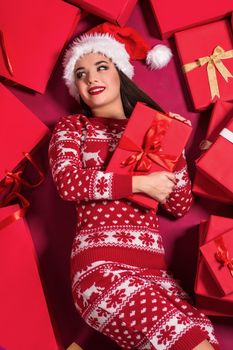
x=95 y=90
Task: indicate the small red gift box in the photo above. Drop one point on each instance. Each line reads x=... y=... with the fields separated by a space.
x=220 y=153
x=33 y=33
x=113 y=11
x=218 y=254
x=25 y=322
x=20 y=131
x=206 y=54
x=209 y=296
x=180 y=17
x=203 y=186
x=154 y=146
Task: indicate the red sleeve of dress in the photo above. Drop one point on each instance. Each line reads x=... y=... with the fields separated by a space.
x=75 y=183
x=181 y=199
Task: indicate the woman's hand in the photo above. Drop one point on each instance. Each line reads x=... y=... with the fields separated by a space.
x=179 y=117
x=158 y=185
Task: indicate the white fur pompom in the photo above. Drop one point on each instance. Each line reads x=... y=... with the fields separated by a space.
x=158 y=56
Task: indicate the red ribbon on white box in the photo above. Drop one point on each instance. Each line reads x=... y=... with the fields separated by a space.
x=227 y=134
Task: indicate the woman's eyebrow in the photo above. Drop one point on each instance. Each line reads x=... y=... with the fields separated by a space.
x=79 y=68
x=96 y=64
x=99 y=62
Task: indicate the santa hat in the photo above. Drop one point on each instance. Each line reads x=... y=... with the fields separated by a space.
x=120 y=45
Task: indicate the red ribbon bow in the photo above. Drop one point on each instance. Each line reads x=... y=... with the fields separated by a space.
x=11 y=187
x=222 y=256
x=151 y=150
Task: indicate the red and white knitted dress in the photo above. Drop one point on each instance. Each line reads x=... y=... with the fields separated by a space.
x=119 y=279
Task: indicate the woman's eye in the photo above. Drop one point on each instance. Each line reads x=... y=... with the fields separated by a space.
x=80 y=75
x=102 y=67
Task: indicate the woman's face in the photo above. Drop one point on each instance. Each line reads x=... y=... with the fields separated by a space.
x=97 y=81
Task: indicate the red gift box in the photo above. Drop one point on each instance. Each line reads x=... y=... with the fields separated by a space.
x=221 y=114
x=206 y=54
x=218 y=255
x=180 y=16
x=220 y=153
x=113 y=11
x=25 y=322
x=33 y=35
x=203 y=186
x=149 y=148
x=20 y=131
x=209 y=297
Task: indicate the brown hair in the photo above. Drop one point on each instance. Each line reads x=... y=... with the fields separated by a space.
x=130 y=95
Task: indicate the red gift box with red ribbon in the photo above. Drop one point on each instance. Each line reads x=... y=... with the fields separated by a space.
x=218 y=255
x=203 y=185
x=154 y=146
x=25 y=321
x=180 y=17
x=117 y=12
x=20 y=133
x=216 y=162
x=32 y=36
x=209 y=295
x=206 y=55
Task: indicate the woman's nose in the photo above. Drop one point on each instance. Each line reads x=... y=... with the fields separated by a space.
x=91 y=78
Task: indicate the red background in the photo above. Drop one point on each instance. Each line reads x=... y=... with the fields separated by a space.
x=52 y=220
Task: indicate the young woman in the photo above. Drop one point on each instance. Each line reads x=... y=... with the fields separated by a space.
x=119 y=279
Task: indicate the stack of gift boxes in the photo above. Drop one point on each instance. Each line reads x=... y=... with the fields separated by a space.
x=204 y=42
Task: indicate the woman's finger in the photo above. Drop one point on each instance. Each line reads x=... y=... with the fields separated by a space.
x=180 y=118
x=170 y=176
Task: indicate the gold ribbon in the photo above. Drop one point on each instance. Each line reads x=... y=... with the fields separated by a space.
x=213 y=62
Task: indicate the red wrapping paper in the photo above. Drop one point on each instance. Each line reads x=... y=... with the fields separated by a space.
x=20 y=131
x=202 y=41
x=34 y=33
x=218 y=254
x=203 y=185
x=180 y=17
x=25 y=321
x=216 y=162
x=117 y=12
x=170 y=147
x=209 y=296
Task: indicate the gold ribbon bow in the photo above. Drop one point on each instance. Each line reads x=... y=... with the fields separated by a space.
x=213 y=62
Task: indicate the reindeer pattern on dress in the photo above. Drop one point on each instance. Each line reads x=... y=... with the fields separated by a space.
x=92 y=156
x=88 y=141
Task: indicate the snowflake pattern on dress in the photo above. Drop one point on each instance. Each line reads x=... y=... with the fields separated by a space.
x=145 y=240
x=102 y=186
